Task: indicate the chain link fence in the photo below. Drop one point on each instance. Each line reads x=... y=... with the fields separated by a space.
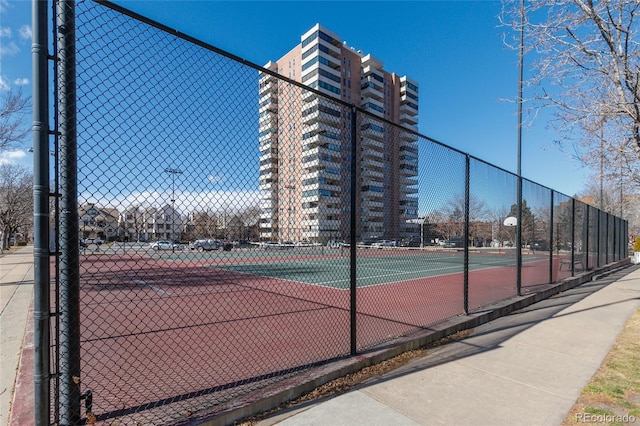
x=226 y=228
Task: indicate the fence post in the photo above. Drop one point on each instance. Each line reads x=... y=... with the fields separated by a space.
x=41 y=254
x=69 y=333
x=467 y=196
x=551 y=235
x=586 y=247
x=519 y=239
x=598 y=242
x=353 y=225
x=573 y=235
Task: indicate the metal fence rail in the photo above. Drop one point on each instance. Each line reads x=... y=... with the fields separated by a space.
x=222 y=227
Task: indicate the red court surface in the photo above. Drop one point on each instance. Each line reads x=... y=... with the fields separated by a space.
x=154 y=331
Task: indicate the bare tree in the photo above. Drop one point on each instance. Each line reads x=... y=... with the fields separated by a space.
x=14 y=110
x=16 y=201
x=584 y=58
x=451 y=219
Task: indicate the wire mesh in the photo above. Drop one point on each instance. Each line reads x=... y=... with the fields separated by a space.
x=492 y=234
x=215 y=225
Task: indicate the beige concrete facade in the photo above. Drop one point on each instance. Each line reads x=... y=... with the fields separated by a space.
x=305 y=144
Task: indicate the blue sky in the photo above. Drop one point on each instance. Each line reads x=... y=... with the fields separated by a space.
x=453 y=49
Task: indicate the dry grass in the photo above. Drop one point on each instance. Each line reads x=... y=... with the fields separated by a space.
x=613 y=395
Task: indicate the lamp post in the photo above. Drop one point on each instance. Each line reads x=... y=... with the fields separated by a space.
x=173 y=173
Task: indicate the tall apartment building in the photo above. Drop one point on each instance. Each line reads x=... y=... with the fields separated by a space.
x=305 y=145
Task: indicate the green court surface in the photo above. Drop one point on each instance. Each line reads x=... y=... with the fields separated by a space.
x=329 y=267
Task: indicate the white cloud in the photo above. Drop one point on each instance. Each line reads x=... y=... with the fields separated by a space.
x=9 y=49
x=4 y=84
x=5 y=32
x=215 y=201
x=4 y=5
x=10 y=157
x=25 y=32
x=21 y=81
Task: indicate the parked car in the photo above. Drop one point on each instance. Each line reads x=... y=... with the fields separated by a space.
x=454 y=242
x=206 y=245
x=165 y=245
x=368 y=241
x=241 y=243
x=275 y=245
x=384 y=243
x=96 y=241
x=411 y=242
x=541 y=245
x=268 y=245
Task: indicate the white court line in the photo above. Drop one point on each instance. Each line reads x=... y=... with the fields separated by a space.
x=151 y=286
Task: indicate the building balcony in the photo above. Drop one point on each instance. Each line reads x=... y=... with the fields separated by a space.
x=371 y=70
x=268 y=126
x=269 y=203
x=321 y=224
x=269 y=145
x=374 y=223
x=334 y=51
x=268 y=97
x=267 y=86
x=409 y=190
x=320 y=117
x=408 y=119
x=411 y=149
x=268 y=154
x=408 y=85
x=408 y=181
x=408 y=136
x=321 y=128
x=375 y=102
x=268 y=173
x=371 y=204
x=372 y=144
x=268 y=140
x=409 y=159
x=369 y=163
x=373 y=154
x=321 y=209
x=372 y=131
x=267 y=78
x=333 y=68
x=372 y=214
x=369 y=59
x=309 y=96
x=408 y=108
x=370 y=90
x=373 y=111
x=316 y=162
x=372 y=174
x=318 y=185
x=269 y=107
x=408 y=170
x=408 y=98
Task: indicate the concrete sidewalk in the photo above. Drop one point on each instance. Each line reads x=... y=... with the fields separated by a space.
x=16 y=292
x=527 y=368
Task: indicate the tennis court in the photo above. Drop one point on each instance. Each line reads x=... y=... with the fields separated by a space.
x=273 y=308
x=330 y=267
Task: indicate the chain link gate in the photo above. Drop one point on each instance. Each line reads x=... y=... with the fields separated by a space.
x=218 y=228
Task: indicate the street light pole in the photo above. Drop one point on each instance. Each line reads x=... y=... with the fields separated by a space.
x=173 y=173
